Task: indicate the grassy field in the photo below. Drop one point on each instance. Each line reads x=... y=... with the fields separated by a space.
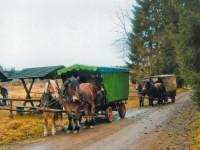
x=19 y=128
x=196 y=125
x=31 y=126
x=196 y=132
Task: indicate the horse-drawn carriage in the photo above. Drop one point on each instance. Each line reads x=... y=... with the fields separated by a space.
x=160 y=88
x=112 y=87
x=170 y=85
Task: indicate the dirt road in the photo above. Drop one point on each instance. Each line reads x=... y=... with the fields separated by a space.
x=161 y=127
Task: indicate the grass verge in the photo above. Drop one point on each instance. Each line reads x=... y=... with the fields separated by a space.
x=19 y=128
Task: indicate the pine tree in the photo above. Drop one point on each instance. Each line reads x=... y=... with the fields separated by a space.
x=189 y=42
x=151 y=48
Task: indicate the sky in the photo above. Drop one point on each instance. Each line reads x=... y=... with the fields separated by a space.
x=35 y=33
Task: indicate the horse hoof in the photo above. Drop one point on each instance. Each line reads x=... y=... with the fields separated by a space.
x=91 y=127
x=45 y=134
x=68 y=131
x=75 y=132
x=62 y=129
x=65 y=128
x=53 y=133
x=84 y=127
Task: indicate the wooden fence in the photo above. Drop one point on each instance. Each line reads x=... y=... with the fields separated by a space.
x=32 y=108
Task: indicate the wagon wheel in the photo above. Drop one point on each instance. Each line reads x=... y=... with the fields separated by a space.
x=109 y=114
x=122 y=110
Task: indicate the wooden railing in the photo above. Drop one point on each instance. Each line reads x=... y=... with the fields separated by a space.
x=18 y=99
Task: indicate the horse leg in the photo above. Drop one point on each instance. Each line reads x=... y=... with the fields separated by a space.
x=62 y=122
x=152 y=98
x=53 y=128
x=150 y=101
x=45 y=125
x=86 y=124
x=70 y=125
x=86 y=116
x=88 y=119
x=142 y=101
x=77 y=126
x=92 y=122
x=159 y=100
x=92 y=116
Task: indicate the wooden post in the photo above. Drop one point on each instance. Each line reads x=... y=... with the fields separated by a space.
x=57 y=84
x=28 y=91
x=30 y=88
x=11 y=107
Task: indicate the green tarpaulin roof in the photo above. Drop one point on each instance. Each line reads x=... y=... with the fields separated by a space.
x=3 y=77
x=39 y=72
x=79 y=67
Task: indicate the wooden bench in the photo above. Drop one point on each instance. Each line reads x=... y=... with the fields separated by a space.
x=21 y=108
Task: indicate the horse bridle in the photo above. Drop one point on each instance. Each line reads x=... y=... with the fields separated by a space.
x=48 y=104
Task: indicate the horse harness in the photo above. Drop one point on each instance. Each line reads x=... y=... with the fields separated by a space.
x=53 y=103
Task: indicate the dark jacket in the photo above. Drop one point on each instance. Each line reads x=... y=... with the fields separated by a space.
x=4 y=92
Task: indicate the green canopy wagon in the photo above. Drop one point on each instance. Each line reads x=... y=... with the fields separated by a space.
x=115 y=81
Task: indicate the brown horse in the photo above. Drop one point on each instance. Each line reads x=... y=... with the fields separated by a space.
x=155 y=91
x=73 y=112
x=84 y=94
x=52 y=98
x=48 y=101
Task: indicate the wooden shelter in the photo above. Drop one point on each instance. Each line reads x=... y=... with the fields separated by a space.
x=49 y=72
x=3 y=77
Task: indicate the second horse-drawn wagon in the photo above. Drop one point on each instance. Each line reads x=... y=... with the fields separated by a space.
x=169 y=84
x=112 y=84
x=159 y=87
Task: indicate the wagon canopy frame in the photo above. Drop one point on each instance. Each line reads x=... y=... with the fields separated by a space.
x=162 y=76
x=49 y=72
x=115 y=79
x=169 y=81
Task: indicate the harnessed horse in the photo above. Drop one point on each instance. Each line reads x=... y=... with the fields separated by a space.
x=48 y=101
x=85 y=94
x=71 y=108
x=154 y=91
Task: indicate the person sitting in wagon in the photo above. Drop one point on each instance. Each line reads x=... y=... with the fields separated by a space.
x=4 y=93
x=101 y=92
x=160 y=84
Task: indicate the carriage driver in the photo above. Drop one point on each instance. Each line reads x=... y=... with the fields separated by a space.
x=101 y=92
x=160 y=83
